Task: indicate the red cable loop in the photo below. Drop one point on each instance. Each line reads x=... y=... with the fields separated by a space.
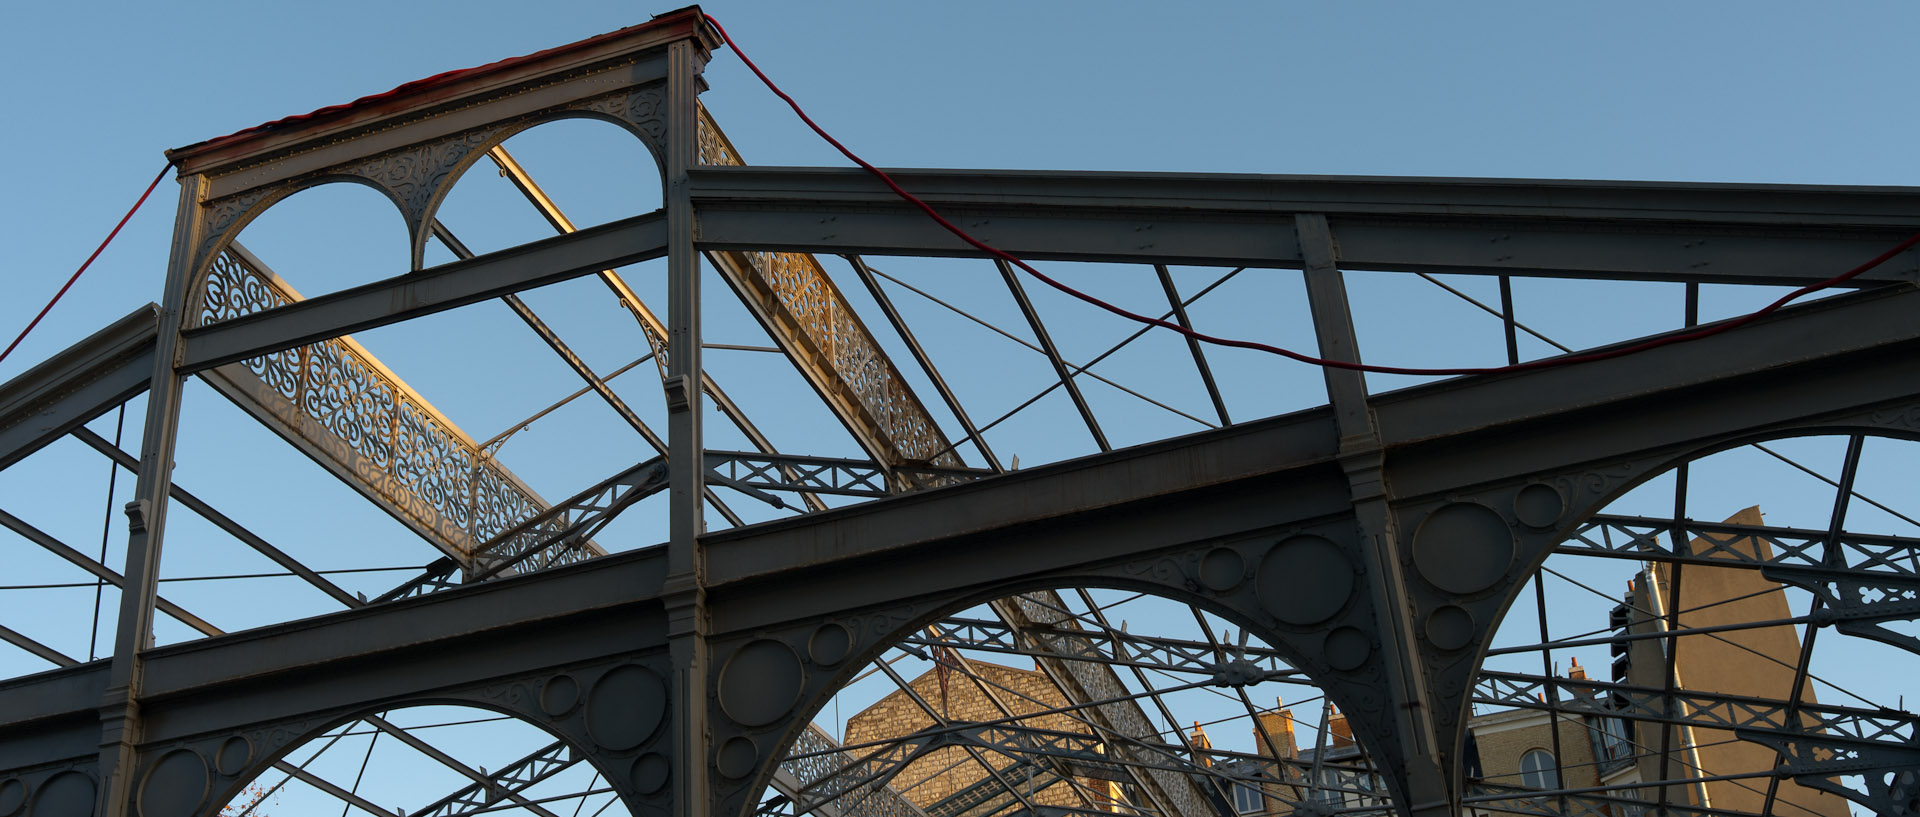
x=1548 y=363
x=89 y=262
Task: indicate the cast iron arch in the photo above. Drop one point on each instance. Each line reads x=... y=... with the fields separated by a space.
x=196 y=294
x=459 y=170
x=222 y=794
x=1295 y=644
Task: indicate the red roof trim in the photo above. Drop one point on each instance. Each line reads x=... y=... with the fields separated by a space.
x=419 y=86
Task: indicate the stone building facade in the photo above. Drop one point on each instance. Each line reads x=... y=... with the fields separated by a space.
x=1522 y=748
x=948 y=776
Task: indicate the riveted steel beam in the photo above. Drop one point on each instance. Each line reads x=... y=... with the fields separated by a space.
x=1720 y=233
x=450 y=285
x=76 y=385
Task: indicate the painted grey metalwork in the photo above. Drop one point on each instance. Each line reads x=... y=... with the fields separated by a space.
x=829 y=475
x=804 y=311
x=515 y=777
x=1373 y=543
x=1092 y=681
x=336 y=401
x=829 y=781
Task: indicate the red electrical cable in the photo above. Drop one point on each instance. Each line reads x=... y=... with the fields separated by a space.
x=89 y=262
x=1605 y=354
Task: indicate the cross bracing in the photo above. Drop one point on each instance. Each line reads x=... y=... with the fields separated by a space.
x=1372 y=552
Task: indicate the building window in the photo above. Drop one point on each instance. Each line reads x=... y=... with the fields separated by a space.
x=1627 y=809
x=1247 y=799
x=1615 y=744
x=1537 y=770
x=1327 y=792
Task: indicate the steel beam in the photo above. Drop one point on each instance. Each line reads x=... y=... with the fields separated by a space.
x=44 y=652
x=1083 y=682
x=1052 y=352
x=650 y=325
x=1840 y=726
x=223 y=522
x=122 y=725
x=801 y=308
x=683 y=593
x=1861 y=556
x=823 y=770
x=508 y=780
x=1105 y=646
x=1847 y=354
x=1193 y=346
x=100 y=571
x=365 y=442
x=1844 y=354
x=1719 y=233
x=827 y=475
x=80 y=383
x=440 y=288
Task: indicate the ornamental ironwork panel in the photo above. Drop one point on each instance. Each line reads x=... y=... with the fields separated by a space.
x=337 y=402
x=814 y=316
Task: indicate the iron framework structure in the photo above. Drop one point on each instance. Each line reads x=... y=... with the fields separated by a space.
x=1367 y=549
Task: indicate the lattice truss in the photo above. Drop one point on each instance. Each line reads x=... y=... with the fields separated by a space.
x=1673 y=653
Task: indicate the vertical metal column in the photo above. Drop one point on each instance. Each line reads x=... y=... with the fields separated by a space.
x=1428 y=787
x=685 y=591
x=147 y=518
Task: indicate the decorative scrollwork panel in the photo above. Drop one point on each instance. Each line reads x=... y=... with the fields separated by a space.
x=366 y=424
x=809 y=310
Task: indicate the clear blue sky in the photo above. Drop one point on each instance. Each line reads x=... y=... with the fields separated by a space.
x=1766 y=92
x=1705 y=91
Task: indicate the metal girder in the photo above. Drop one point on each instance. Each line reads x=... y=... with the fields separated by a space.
x=1721 y=233
x=1890 y=773
x=802 y=309
x=559 y=535
x=987 y=796
x=223 y=522
x=102 y=572
x=819 y=768
x=1047 y=347
x=46 y=653
x=1102 y=646
x=650 y=326
x=1083 y=682
x=1846 y=354
x=380 y=651
x=563 y=533
x=490 y=93
x=1863 y=581
x=828 y=475
x=1834 y=726
x=1089 y=755
x=450 y=285
x=505 y=782
x=1597 y=803
x=1193 y=346
x=329 y=787
x=338 y=404
x=79 y=383
x=1725 y=544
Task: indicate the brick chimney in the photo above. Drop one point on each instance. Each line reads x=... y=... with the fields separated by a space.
x=1274 y=732
x=1198 y=737
x=1339 y=731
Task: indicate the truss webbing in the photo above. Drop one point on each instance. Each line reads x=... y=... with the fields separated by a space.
x=822 y=782
x=1085 y=681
